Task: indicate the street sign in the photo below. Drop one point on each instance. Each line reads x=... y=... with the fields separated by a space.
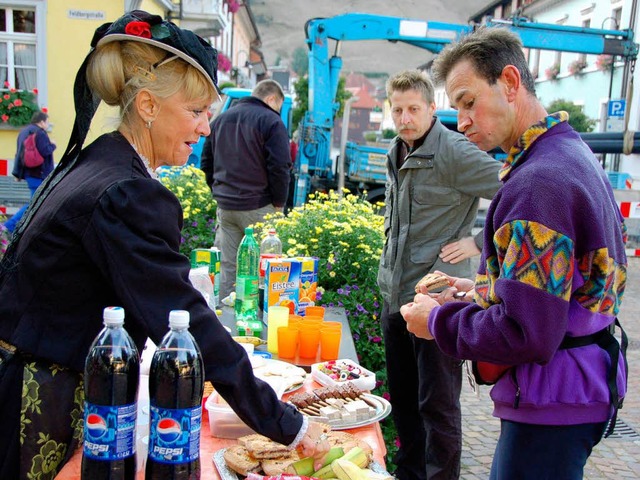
x=616 y=108
x=615 y=124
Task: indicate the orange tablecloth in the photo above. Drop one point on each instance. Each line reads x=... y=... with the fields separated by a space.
x=208 y=445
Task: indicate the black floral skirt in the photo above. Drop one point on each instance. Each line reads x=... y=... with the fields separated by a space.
x=41 y=410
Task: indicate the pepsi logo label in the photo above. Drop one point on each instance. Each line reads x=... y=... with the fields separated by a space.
x=96 y=425
x=109 y=431
x=168 y=430
x=168 y=451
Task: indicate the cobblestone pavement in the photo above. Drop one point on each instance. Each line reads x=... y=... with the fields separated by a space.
x=617 y=457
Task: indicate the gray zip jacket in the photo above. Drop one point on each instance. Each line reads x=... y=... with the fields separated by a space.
x=430 y=202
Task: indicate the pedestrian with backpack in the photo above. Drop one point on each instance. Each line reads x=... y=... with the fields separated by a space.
x=34 y=159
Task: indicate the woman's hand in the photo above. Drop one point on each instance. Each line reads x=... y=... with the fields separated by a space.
x=315 y=444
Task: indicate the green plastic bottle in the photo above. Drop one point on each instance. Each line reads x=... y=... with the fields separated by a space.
x=247 y=268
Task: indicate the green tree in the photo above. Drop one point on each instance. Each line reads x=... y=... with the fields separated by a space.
x=577 y=118
x=389 y=133
x=301 y=106
x=300 y=62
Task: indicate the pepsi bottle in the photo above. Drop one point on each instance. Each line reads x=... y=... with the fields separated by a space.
x=176 y=383
x=111 y=376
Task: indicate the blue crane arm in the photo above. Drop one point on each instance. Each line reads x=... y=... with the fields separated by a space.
x=324 y=66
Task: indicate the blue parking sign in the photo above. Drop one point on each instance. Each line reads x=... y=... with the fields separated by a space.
x=616 y=108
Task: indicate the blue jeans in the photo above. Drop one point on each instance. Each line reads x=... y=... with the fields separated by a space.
x=33 y=184
x=544 y=452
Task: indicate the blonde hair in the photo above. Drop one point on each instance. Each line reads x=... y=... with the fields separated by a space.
x=117 y=71
x=411 y=80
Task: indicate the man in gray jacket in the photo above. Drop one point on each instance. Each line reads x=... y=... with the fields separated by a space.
x=434 y=180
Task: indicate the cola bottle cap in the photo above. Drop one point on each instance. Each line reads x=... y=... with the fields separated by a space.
x=178 y=319
x=113 y=316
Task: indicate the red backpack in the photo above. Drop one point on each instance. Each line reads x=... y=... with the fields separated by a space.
x=30 y=155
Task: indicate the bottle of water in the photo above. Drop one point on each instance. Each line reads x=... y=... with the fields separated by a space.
x=246 y=306
x=111 y=377
x=270 y=247
x=176 y=384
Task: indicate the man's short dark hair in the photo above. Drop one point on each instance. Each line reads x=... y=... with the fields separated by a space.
x=267 y=87
x=489 y=49
x=38 y=117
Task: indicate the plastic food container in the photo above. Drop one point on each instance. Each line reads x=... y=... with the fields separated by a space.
x=223 y=422
x=338 y=372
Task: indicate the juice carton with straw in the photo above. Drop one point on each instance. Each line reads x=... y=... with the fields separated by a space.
x=308 y=283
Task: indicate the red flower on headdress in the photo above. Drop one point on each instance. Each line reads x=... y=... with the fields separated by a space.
x=45 y=109
x=139 y=29
x=5 y=118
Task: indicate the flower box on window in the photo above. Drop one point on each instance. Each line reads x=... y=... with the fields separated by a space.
x=553 y=71
x=17 y=106
x=604 y=62
x=577 y=66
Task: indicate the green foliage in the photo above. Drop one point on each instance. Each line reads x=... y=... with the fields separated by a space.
x=301 y=106
x=347 y=235
x=371 y=136
x=301 y=87
x=198 y=206
x=577 y=119
x=300 y=62
x=224 y=85
x=389 y=133
x=17 y=106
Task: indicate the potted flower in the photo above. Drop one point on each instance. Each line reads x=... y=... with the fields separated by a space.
x=577 y=66
x=553 y=71
x=17 y=106
x=233 y=5
x=604 y=62
x=224 y=63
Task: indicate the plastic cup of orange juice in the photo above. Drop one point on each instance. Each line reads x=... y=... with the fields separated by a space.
x=330 y=343
x=295 y=319
x=287 y=341
x=309 y=339
x=312 y=320
x=315 y=311
x=334 y=325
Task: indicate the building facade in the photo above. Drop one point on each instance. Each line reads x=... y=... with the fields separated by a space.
x=589 y=81
x=44 y=42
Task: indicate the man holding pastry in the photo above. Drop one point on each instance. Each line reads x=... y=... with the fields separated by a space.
x=551 y=276
x=434 y=180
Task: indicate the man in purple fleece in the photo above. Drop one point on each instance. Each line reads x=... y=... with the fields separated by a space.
x=552 y=272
